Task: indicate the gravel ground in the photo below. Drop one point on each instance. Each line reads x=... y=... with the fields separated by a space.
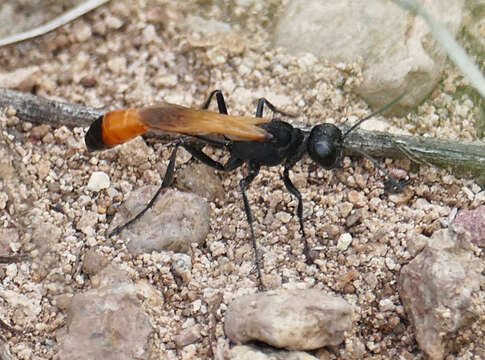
x=137 y=53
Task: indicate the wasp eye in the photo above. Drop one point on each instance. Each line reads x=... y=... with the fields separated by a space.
x=325 y=145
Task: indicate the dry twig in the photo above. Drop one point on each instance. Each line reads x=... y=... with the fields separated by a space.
x=458 y=155
x=68 y=16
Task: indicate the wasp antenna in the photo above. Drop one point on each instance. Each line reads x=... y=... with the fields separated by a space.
x=384 y=108
x=391 y=185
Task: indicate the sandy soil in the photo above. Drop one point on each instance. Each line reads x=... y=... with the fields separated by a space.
x=140 y=52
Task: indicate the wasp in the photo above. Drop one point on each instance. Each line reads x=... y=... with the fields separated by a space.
x=255 y=141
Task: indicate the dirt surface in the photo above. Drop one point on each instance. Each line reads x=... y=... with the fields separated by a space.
x=133 y=53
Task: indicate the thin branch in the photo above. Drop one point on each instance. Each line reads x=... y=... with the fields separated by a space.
x=461 y=156
x=43 y=111
x=458 y=155
x=68 y=16
x=10 y=259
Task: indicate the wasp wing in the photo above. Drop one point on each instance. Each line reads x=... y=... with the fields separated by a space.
x=119 y=126
x=179 y=119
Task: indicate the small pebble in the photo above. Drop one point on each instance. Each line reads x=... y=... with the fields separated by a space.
x=344 y=241
x=98 y=181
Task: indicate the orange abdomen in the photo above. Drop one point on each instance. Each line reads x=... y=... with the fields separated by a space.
x=120 y=126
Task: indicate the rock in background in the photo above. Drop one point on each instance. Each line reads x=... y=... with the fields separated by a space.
x=292 y=319
x=397 y=49
x=437 y=289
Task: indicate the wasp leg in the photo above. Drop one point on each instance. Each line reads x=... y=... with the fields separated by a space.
x=297 y=154
x=253 y=170
x=299 y=212
x=167 y=180
x=274 y=109
x=391 y=184
x=197 y=153
x=221 y=103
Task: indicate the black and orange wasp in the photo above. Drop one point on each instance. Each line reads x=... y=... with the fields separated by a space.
x=256 y=141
